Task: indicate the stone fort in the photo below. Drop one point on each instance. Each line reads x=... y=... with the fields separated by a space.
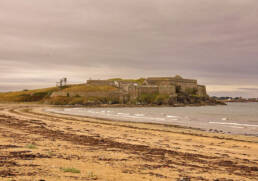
x=154 y=85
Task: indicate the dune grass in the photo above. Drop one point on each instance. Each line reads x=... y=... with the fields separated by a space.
x=70 y=170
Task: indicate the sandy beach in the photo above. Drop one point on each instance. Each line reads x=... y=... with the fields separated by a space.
x=38 y=145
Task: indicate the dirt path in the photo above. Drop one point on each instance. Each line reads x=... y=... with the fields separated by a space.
x=36 y=145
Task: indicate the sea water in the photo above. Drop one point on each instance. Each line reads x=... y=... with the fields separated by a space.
x=235 y=118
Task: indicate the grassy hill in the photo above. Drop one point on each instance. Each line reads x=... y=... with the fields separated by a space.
x=68 y=95
x=83 y=95
x=88 y=88
x=27 y=95
x=86 y=94
x=138 y=81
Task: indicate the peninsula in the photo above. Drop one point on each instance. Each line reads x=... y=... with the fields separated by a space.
x=170 y=91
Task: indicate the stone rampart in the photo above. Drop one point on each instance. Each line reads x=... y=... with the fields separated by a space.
x=167 y=89
x=136 y=91
x=86 y=94
x=201 y=91
x=101 y=82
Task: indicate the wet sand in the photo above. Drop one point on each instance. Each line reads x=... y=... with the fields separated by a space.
x=37 y=145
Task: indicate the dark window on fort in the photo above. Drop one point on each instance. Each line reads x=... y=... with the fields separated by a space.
x=178 y=89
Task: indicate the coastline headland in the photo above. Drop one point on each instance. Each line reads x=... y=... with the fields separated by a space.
x=146 y=91
x=152 y=91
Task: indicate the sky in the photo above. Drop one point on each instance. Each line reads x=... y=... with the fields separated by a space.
x=215 y=42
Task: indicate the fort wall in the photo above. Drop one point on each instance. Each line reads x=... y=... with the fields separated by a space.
x=184 y=84
x=201 y=91
x=168 y=90
x=101 y=82
x=86 y=94
x=153 y=85
x=136 y=91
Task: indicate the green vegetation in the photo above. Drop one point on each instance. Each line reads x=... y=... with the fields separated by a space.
x=43 y=95
x=158 y=99
x=191 y=91
x=27 y=95
x=92 y=95
x=31 y=146
x=89 y=88
x=64 y=100
x=72 y=95
x=161 y=99
x=138 y=81
x=146 y=98
x=71 y=170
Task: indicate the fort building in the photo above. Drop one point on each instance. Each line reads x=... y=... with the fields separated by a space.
x=154 y=85
x=201 y=91
x=177 y=81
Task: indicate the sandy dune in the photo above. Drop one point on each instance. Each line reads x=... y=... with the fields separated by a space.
x=36 y=145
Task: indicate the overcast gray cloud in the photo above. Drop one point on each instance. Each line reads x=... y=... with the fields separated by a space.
x=215 y=42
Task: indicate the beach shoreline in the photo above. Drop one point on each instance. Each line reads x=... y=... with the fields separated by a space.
x=112 y=150
x=210 y=119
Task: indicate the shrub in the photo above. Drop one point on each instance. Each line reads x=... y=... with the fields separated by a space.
x=161 y=99
x=60 y=100
x=113 y=100
x=146 y=98
x=76 y=100
x=33 y=97
x=172 y=100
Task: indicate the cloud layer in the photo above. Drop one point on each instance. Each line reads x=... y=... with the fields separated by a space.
x=213 y=41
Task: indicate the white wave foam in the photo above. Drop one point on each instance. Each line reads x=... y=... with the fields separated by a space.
x=169 y=116
x=174 y=119
x=139 y=115
x=234 y=124
x=125 y=114
x=238 y=127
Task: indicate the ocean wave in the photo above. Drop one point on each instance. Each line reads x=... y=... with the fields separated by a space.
x=234 y=124
x=170 y=116
x=125 y=114
x=139 y=115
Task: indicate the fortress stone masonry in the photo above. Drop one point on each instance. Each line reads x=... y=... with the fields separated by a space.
x=170 y=86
